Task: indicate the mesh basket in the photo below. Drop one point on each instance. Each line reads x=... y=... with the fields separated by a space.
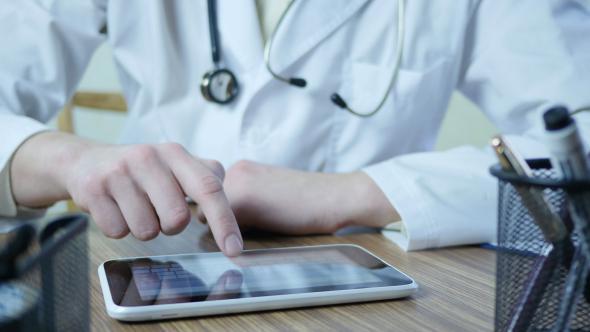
x=44 y=287
x=530 y=281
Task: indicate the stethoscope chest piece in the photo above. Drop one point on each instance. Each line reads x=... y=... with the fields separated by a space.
x=219 y=86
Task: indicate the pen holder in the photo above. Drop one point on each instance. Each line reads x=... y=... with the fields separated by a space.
x=44 y=278
x=529 y=286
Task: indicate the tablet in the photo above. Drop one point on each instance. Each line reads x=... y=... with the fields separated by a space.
x=160 y=287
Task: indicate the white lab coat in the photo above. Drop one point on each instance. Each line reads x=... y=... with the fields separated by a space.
x=512 y=58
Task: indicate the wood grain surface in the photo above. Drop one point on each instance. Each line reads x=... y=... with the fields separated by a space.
x=456 y=288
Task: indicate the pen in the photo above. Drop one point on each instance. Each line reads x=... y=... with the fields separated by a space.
x=566 y=147
x=551 y=226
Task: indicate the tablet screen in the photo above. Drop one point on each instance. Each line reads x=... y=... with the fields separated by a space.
x=255 y=273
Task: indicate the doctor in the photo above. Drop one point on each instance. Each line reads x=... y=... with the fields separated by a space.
x=199 y=89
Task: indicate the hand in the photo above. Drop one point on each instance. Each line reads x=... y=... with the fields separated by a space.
x=133 y=188
x=288 y=201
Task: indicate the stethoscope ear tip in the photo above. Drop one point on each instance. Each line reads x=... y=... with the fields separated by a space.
x=299 y=82
x=336 y=99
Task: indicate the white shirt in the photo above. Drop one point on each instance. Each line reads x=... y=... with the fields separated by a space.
x=513 y=59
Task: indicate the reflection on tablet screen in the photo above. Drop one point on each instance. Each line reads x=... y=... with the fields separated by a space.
x=192 y=278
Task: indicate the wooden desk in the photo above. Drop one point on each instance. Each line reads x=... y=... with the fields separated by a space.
x=456 y=288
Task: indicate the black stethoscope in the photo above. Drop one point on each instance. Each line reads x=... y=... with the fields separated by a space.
x=220 y=85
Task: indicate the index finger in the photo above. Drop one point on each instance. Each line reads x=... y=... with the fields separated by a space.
x=203 y=186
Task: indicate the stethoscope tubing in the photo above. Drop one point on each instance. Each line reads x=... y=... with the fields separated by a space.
x=335 y=97
x=213 y=31
x=295 y=81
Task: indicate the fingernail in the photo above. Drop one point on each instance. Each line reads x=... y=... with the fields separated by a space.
x=233 y=245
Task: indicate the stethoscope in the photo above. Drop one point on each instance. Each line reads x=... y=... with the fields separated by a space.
x=220 y=85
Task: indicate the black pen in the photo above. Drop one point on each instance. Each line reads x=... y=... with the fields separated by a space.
x=565 y=144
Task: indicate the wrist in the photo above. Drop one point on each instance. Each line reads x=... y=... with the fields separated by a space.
x=365 y=204
x=41 y=166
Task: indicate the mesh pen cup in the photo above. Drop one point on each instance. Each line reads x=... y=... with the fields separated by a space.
x=531 y=273
x=44 y=278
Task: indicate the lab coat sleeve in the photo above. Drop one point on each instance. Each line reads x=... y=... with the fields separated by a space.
x=519 y=59
x=46 y=46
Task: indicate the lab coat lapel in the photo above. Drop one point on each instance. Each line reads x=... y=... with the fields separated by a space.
x=305 y=26
x=239 y=30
